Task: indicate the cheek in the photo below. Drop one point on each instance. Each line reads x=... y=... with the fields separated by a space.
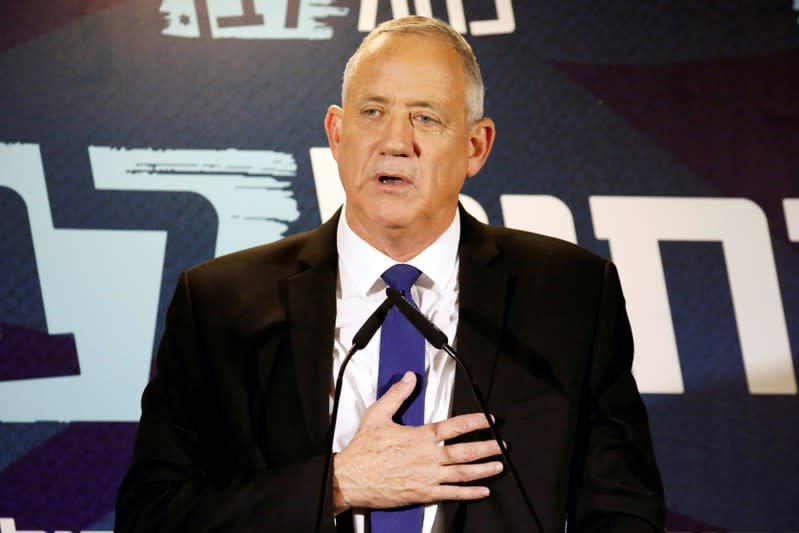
x=356 y=151
x=348 y=155
x=450 y=166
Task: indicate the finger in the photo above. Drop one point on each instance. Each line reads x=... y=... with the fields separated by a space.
x=469 y=452
x=459 y=425
x=387 y=405
x=455 y=492
x=467 y=473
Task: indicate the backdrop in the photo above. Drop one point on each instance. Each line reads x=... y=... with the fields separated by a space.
x=140 y=137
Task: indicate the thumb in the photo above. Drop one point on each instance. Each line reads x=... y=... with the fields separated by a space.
x=385 y=407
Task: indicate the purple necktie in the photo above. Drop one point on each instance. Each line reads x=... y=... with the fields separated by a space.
x=401 y=349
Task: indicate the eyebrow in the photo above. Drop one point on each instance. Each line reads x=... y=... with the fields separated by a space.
x=427 y=104
x=424 y=103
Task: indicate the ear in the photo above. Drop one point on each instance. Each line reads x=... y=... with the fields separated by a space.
x=481 y=139
x=333 y=124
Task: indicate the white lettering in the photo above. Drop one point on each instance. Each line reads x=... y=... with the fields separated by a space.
x=539 y=213
x=249 y=189
x=329 y=192
x=250 y=19
x=100 y=285
x=250 y=192
x=281 y=19
x=634 y=225
x=180 y=17
x=504 y=23
x=473 y=207
x=367 y=16
x=791 y=208
x=7 y=525
x=114 y=341
x=456 y=16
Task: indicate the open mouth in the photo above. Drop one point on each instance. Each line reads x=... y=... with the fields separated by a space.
x=390 y=180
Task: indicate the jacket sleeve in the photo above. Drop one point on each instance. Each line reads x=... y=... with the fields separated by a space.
x=618 y=484
x=173 y=484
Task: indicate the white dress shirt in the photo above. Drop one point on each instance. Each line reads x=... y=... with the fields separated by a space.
x=359 y=291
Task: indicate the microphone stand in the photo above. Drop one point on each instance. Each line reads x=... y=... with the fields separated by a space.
x=359 y=342
x=438 y=339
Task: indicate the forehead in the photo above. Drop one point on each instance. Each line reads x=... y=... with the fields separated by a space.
x=408 y=64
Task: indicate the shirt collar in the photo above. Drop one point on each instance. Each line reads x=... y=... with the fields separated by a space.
x=361 y=264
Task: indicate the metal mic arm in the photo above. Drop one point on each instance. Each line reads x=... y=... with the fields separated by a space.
x=359 y=341
x=439 y=340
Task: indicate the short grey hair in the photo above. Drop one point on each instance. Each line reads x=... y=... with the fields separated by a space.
x=430 y=27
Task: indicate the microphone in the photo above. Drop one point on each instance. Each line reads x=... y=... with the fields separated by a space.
x=438 y=339
x=359 y=342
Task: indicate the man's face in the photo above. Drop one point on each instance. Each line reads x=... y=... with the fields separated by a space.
x=402 y=140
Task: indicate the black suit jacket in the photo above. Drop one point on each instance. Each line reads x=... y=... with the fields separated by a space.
x=232 y=431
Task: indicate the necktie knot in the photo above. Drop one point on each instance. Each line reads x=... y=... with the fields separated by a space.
x=401 y=277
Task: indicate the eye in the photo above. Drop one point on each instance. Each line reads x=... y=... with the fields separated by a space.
x=371 y=112
x=426 y=120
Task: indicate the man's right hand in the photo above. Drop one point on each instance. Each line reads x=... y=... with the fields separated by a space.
x=389 y=465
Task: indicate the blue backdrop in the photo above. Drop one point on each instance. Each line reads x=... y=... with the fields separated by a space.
x=140 y=137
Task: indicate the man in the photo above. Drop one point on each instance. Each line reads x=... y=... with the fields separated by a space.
x=232 y=434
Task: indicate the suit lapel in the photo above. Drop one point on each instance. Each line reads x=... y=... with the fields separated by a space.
x=482 y=297
x=311 y=300
x=483 y=291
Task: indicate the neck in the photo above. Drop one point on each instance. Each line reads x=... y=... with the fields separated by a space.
x=399 y=243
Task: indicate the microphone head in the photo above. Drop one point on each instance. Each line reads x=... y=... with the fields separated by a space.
x=372 y=324
x=429 y=331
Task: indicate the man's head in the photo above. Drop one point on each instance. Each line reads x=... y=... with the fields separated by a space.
x=404 y=140
x=424 y=27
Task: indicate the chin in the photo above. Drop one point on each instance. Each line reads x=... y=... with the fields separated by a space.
x=395 y=222
x=394 y=216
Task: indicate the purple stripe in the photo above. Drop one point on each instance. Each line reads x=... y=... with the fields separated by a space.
x=27 y=353
x=678 y=522
x=21 y=21
x=69 y=482
x=734 y=123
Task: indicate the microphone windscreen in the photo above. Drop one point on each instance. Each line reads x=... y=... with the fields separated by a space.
x=429 y=331
x=370 y=327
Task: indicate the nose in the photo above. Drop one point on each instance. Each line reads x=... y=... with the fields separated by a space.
x=397 y=136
